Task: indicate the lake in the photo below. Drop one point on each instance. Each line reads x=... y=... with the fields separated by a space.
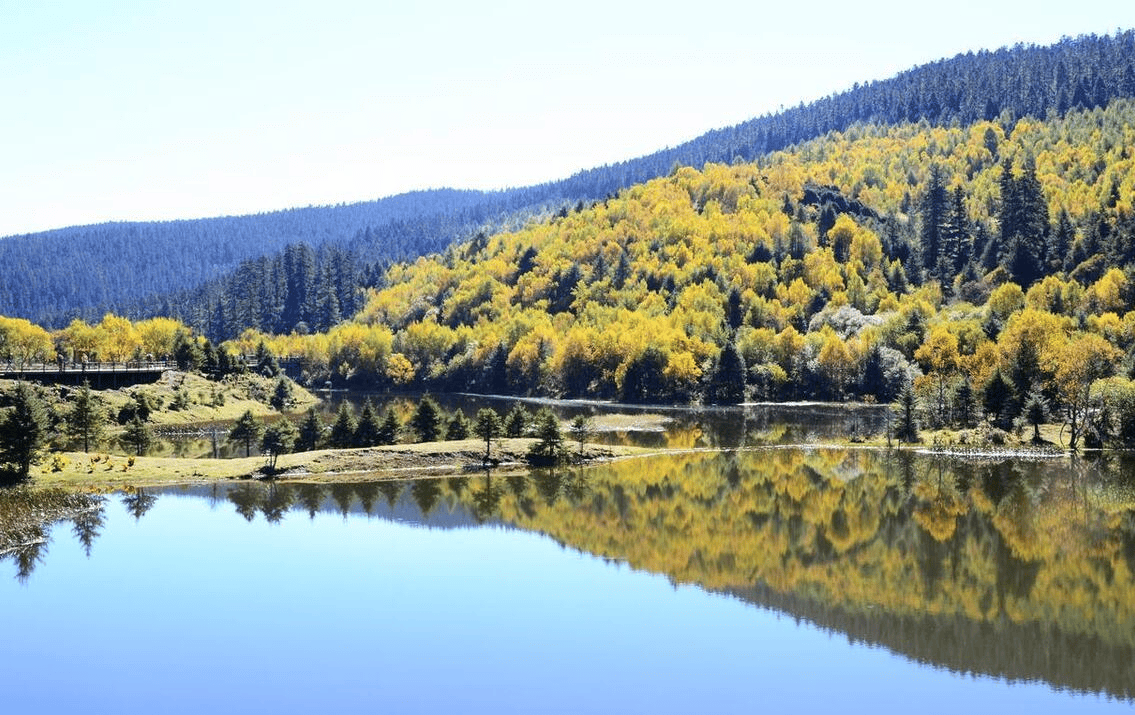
x=773 y=577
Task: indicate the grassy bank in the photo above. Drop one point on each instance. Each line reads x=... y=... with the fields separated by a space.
x=76 y=470
x=181 y=398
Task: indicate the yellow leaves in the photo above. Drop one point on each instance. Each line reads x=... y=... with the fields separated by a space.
x=360 y=347
x=157 y=335
x=939 y=351
x=1106 y=294
x=23 y=342
x=117 y=337
x=399 y=369
x=1078 y=362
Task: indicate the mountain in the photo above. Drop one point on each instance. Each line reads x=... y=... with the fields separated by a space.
x=849 y=266
x=50 y=276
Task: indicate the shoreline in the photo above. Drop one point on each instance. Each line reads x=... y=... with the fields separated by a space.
x=102 y=472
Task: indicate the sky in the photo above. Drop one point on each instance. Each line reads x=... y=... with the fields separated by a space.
x=120 y=110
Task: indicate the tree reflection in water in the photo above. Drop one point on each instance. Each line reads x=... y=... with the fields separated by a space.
x=27 y=516
x=1013 y=568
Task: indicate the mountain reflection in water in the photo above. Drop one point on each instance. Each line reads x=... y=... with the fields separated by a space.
x=1017 y=569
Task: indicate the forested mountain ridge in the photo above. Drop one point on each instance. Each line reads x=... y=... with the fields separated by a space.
x=977 y=263
x=133 y=267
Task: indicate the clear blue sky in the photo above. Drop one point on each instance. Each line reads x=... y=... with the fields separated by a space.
x=133 y=110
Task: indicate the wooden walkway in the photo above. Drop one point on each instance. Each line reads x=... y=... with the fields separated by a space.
x=98 y=373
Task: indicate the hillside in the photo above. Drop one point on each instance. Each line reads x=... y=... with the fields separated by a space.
x=133 y=267
x=845 y=267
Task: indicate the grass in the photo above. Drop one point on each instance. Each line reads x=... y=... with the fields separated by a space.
x=101 y=472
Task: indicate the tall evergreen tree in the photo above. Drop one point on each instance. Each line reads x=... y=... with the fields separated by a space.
x=278 y=439
x=368 y=429
x=310 y=431
x=388 y=433
x=343 y=431
x=933 y=209
x=137 y=435
x=24 y=431
x=246 y=430
x=87 y=418
x=487 y=425
x=426 y=421
x=727 y=382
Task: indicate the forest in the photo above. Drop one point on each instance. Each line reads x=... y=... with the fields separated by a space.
x=981 y=269
x=189 y=269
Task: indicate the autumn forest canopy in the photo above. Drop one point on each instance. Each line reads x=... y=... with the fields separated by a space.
x=987 y=262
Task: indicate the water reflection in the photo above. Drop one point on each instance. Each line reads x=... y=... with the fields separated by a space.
x=26 y=519
x=659 y=427
x=1023 y=570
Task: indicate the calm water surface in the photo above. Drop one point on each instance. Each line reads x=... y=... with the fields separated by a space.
x=804 y=579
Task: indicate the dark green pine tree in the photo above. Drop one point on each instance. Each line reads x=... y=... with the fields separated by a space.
x=388 y=433
x=933 y=209
x=549 y=449
x=278 y=439
x=426 y=421
x=488 y=426
x=1023 y=219
x=965 y=404
x=343 y=431
x=1000 y=401
x=87 y=418
x=299 y=272
x=368 y=428
x=727 y=384
x=458 y=427
x=246 y=430
x=137 y=435
x=906 y=413
x=24 y=431
x=310 y=432
x=957 y=241
x=735 y=310
x=282 y=396
x=517 y=421
x=1060 y=244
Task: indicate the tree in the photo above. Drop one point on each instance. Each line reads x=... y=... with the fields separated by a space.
x=282 y=396
x=310 y=431
x=245 y=430
x=278 y=439
x=727 y=385
x=388 y=432
x=426 y=421
x=965 y=404
x=549 y=449
x=643 y=379
x=487 y=425
x=368 y=428
x=517 y=421
x=137 y=435
x=1035 y=412
x=23 y=431
x=933 y=209
x=581 y=428
x=906 y=410
x=343 y=431
x=86 y=420
x=1079 y=362
x=266 y=363
x=1000 y=401
x=458 y=427
x=939 y=357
